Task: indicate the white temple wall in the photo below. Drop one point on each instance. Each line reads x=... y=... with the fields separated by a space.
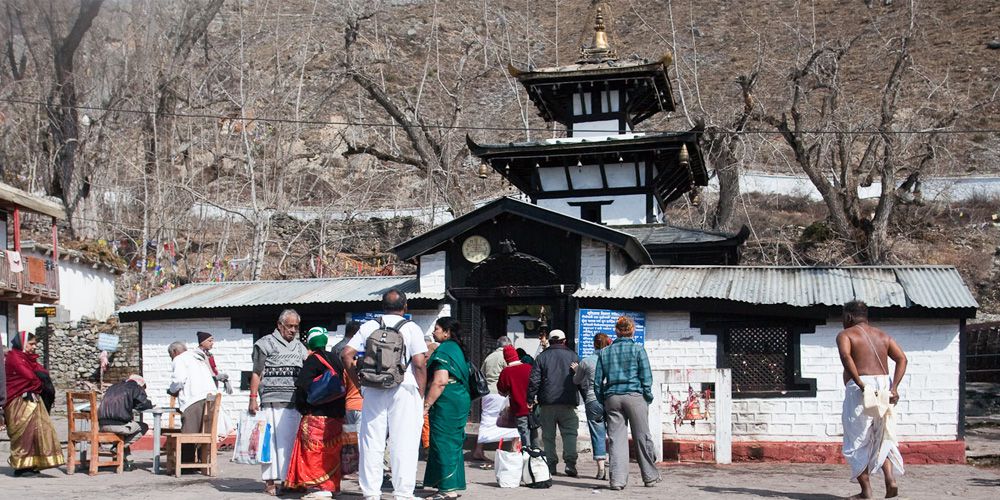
x=623 y=210
x=928 y=409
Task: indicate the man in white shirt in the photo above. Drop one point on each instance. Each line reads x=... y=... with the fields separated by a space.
x=397 y=411
x=191 y=381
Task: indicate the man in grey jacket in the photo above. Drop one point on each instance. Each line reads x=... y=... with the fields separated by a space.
x=551 y=387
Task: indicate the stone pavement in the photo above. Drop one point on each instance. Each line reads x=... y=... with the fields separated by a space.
x=686 y=481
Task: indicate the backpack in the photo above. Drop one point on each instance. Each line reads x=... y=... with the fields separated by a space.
x=384 y=362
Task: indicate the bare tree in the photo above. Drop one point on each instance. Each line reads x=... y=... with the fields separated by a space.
x=71 y=180
x=434 y=147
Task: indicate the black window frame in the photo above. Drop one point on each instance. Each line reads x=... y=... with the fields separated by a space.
x=721 y=325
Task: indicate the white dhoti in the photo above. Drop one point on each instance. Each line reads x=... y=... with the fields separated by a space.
x=492 y=404
x=397 y=413
x=869 y=441
x=284 y=426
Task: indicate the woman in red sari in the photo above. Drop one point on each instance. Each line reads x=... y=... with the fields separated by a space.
x=315 y=461
x=34 y=444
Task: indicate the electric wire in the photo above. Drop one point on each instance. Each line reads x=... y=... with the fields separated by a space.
x=495 y=128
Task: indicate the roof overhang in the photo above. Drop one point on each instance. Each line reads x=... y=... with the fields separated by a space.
x=519 y=162
x=11 y=197
x=925 y=291
x=235 y=298
x=431 y=240
x=647 y=84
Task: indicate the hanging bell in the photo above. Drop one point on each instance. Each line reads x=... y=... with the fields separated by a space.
x=484 y=170
x=683 y=157
x=693 y=412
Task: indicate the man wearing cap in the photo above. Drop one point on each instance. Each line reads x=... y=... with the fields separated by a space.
x=204 y=352
x=277 y=361
x=115 y=412
x=551 y=386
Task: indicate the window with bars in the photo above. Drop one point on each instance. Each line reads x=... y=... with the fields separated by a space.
x=759 y=358
x=762 y=353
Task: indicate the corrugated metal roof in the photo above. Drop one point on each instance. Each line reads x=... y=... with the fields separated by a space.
x=259 y=293
x=879 y=286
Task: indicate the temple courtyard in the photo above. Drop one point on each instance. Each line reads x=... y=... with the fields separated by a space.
x=686 y=481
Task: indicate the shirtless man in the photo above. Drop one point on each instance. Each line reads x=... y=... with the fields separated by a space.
x=864 y=350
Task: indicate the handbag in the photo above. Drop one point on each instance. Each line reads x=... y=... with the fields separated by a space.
x=327 y=387
x=535 y=417
x=478 y=387
x=507 y=419
x=876 y=401
x=536 y=468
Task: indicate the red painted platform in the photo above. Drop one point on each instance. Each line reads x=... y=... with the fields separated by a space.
x=918 y=452
x=145 y=443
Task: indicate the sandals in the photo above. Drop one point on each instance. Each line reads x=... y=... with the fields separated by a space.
x=483 y=466
x=442 y=496
x=271 y=489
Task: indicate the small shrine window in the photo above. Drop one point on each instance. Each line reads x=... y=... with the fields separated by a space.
x=609 y=101
x=591 y=210
x=583 y=104
x=763 y=354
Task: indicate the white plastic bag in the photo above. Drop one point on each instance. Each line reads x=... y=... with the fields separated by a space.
x=253 y=439
x=509 y=466
x=225 y=425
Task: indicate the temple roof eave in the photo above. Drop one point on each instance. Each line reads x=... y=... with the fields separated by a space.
x=644 y=142
x=591 y=70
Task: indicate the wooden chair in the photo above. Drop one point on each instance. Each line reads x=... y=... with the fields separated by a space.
x=91 y=436
x=173 y=425
x=206 y=441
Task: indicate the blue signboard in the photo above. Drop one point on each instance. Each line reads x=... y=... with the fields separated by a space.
x=364 y=317
x=593 y=321
x=370 y=315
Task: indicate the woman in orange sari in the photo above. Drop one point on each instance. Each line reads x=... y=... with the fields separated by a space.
x=315 y=461
x=34 y=444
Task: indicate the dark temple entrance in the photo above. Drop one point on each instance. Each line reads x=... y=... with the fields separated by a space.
x=510 y=294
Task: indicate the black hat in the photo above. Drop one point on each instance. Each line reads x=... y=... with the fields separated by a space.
x=203 y=336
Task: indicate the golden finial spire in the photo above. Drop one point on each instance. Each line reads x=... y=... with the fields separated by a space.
x=600 y=50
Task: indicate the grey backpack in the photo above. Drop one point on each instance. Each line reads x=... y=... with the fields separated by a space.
x=384 y=363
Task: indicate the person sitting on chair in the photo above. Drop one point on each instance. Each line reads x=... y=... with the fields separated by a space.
x=115 y=413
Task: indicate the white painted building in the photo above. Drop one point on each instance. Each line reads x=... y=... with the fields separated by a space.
x=86 y=288
x=238 y=313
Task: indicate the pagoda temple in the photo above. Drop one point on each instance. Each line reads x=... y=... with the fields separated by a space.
x=605 y=171
x=596 y=201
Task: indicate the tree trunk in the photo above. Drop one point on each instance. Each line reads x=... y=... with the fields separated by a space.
x=71 y=181
x=728 y=171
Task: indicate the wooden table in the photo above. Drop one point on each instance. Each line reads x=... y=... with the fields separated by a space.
x=157 y=413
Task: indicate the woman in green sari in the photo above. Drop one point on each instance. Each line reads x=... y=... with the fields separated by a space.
x=447 y=402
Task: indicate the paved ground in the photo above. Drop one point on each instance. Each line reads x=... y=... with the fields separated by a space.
x=683 y=481
x=744 y=481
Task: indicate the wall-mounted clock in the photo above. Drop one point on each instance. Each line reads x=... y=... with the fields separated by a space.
x=475 y=249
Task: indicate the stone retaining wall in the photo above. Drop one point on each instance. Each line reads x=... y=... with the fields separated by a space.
x=71 y=353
